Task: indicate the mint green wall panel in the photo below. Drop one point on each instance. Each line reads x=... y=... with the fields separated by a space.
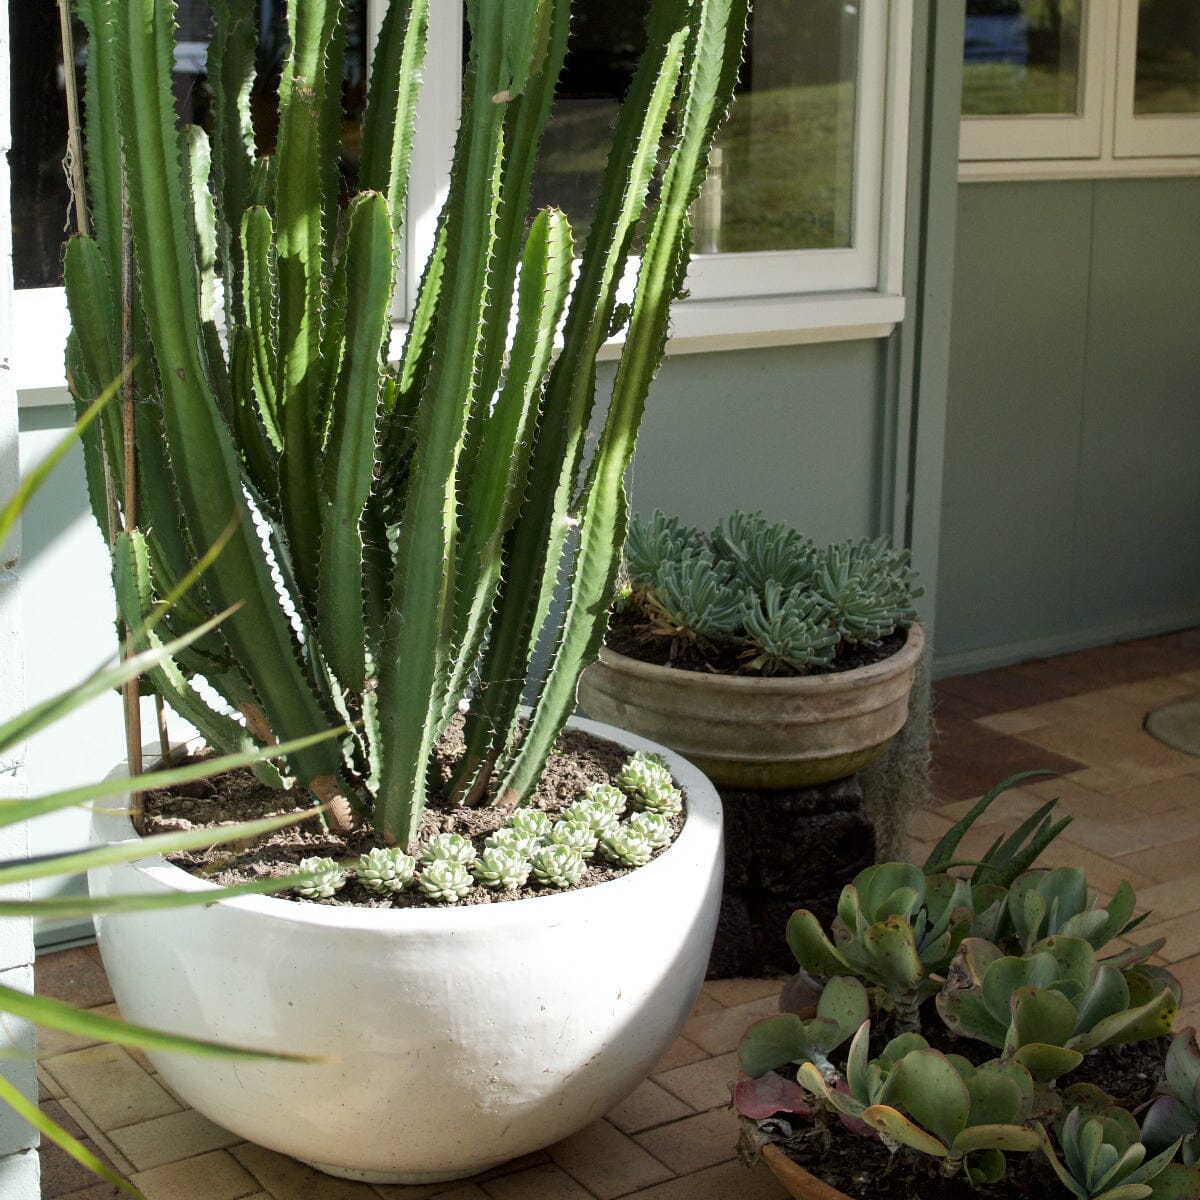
x=1138 y=521
x=1071 y=491
x=794 y=431
x=1018 y=335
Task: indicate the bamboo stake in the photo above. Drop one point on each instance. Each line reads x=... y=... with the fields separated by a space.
x=130 y=691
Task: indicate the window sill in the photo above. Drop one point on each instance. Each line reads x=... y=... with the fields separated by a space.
x=40 y=325
x=711 y=326
x=1037 y=170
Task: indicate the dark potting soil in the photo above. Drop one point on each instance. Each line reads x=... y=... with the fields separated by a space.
x=863 y=1168
x=577 y=761
x=630 y=633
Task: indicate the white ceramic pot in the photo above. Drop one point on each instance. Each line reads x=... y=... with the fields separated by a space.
x=759 y=731
x=463 y=1037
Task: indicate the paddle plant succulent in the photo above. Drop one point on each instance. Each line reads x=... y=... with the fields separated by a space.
x=995 y=980
x=398 y=528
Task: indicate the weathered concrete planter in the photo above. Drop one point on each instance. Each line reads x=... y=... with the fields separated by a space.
x=463 y=1037
x=759 y=732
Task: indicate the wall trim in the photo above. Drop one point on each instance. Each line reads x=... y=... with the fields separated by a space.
x=963 y=662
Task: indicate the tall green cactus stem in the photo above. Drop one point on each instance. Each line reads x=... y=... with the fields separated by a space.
x=398 y=529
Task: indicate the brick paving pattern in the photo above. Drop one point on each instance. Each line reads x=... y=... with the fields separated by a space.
x=1136 y=806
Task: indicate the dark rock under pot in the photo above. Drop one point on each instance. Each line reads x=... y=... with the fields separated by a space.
x=785 y=850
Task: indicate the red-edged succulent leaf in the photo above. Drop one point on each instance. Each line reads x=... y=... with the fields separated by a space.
x=761 y=1098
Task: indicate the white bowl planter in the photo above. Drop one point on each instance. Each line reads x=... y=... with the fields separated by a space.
x=759 y=731
x=464 y=1037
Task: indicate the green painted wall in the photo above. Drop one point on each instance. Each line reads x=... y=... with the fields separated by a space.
x=1071 y=494
x=794 y=431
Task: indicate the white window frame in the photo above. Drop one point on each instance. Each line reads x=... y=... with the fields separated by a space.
x=1127 y=146
x=735 y=300
x=1164 y=134
x=1051 y=135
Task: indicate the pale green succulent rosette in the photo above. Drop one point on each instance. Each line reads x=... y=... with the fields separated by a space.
x=501 y=868
x=507 y=838
x=385 y=870
x=445 y=880
x=655 y=827
x=326 y=878
x=626 y=847
x=557 y=866
x=579 y=835
x=605 y=796
x=448 y=847
x=531 y=824
x=599 y=819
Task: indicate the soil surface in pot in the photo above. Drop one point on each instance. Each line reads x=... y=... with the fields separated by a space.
x=631 y=632
x=864 y=1169
x=577 y=761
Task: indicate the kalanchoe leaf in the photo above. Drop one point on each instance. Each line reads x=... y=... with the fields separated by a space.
x=761 y=1098
x=800 y=993
x=899 y=1128
x=785 y=1038
x=1176 y=1182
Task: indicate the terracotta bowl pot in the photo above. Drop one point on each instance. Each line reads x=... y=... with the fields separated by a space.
x=759 y=731
x=802 y=1184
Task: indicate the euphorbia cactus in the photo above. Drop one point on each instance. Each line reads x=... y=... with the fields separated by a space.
x=398 y=530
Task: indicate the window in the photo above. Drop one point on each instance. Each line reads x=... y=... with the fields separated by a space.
x=1081 y=87
x=1158 y=84
x=799 y=231
x=799 y=226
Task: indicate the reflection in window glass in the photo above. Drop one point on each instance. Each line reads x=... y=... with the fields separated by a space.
x=782 y=171
x=1021 y=57
x=1168 y=58
x=40 y=197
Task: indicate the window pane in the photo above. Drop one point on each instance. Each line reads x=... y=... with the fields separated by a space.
x=40 y=197
x=1168 y=57
x=1021 y=57
x=782 y=172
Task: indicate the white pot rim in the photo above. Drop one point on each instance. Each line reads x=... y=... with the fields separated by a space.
x=703 y=822
x=764 y=685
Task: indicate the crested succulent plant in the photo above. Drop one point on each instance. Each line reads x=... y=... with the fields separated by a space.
x=1036 y=991
x=764 y=590
x=788 y=631
x=325 y=878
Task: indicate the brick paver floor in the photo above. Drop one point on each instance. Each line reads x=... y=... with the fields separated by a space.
x=1136 y=809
